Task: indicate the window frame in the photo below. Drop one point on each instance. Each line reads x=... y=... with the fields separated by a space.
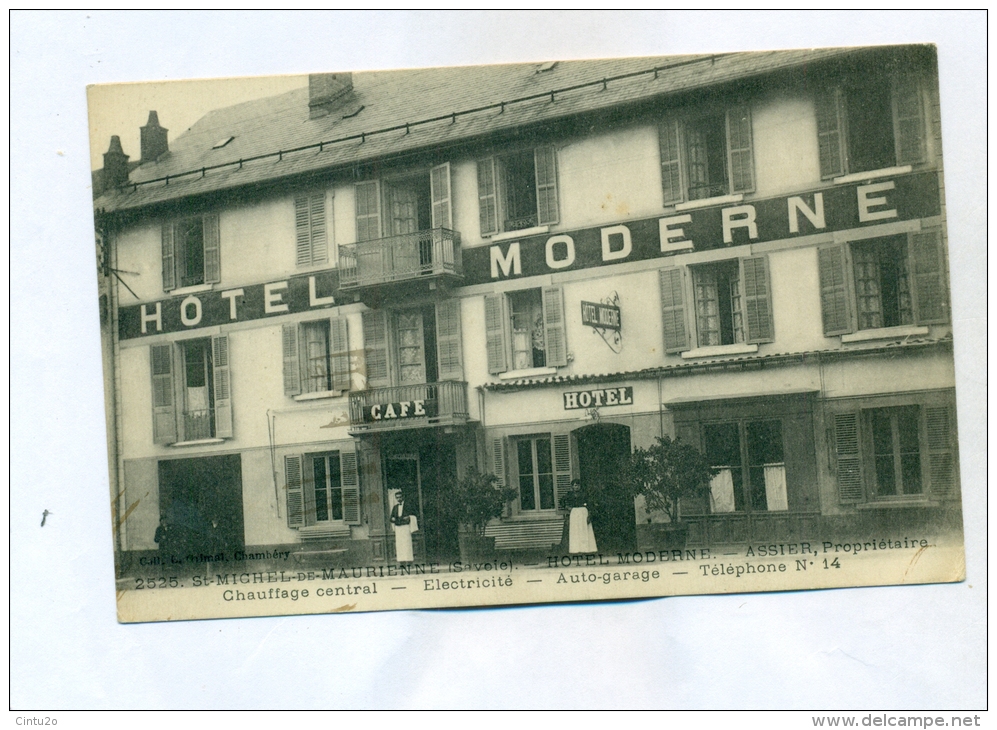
x=492 y=203
x=852 y=451
x=927 y=273
x=674 y=156
x=295 y=360
x=833 y=138
x=745 y=465
x=167 y=369
x=499 y=332
x=172 y=255
x=300 y=511
x=678 y=303
x=371 y=208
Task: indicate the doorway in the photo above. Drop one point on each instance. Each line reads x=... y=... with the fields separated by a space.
x=603 y=450
x=200 y=506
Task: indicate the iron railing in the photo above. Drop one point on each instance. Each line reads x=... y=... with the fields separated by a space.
x=409 y=406
x=702 y=192
x=198 y=425
x=433 y=252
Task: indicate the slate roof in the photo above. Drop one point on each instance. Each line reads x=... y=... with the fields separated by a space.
x=275 y=139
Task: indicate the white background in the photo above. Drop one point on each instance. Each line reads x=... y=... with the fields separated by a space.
x=882 y=648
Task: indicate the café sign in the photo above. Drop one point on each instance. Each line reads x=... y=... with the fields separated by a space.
x=421 y=408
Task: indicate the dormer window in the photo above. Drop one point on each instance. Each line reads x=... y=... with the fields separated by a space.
x=221 y=143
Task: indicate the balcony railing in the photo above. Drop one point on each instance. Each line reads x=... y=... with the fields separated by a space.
x=409 y=406
x=198 y=425
x=411 y=256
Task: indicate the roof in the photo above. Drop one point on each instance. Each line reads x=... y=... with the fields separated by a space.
x=723 y=363
x=403 y=111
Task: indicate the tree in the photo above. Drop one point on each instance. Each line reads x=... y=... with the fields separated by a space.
x=668 y=471
x=478 y=498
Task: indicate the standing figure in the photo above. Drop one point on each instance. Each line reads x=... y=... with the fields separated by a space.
x=404 y=525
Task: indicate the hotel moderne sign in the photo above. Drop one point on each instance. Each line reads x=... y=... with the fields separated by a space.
x=843 y=207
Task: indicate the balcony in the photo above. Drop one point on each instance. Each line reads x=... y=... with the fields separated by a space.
x=409 y=406
x=412 y=261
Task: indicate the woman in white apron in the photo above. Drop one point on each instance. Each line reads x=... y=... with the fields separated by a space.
x=403 y=525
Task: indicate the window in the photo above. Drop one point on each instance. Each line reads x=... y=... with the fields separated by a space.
x=311 y=238
x=870 y=123
x=191 y=398
x=517 y=191
x=543 y=468
x=536 y=473
x=404 y=204
x=413 y=346
x=191 y=252
x=892 y=452
x=316 y=357
x=322 y=489
x=749 y=455
x=731 y=304
x=706 y=156
x=525 y=329
x=883 y=282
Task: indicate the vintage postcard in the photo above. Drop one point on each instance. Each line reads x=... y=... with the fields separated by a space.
x=544 y=332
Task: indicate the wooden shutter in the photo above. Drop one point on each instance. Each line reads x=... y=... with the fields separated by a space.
x=830 y=133
x=223 y=386
x=927 y=268
x=351 y=487
x=739 y=157
x=941 y=457
x=375 y=345
x=169 y=259
x=673 y=322
x=487 y=197
x=757 y=288
x=439 y=187
x=212 y=250
x=908 y=121
x=292 y=362
x=671 y=165
x=562 y=466
x=339 y=353
x=497 y=458
x=448 y=340
x=294 y=492
x=368 y=204
x=848 y=463
x=311 y=242
x=555 y=337
x=495 y=333
x=164 y=418
x=545 y=166
x=835 y=306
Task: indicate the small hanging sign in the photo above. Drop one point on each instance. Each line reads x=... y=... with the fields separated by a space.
x=604 y=318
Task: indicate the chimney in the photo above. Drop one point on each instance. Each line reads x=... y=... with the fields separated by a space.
x=154 y=142
x=115 y=165
x=324 y=90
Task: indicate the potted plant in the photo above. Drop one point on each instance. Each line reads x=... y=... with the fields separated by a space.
x=475 y=500
x=665 y=473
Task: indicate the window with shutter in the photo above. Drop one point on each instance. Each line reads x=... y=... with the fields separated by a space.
x=848 y=463
x=498 y=459
x=222 y=386
x=927 y=262
x=495 y=333
x=518 y=190
x=339 y=347
x=351 y=487
x=562 y=466
x=555 y=339
x=439 y=184
x=941 y=457
x=191 y=252
x=706 y=155
x=870 y=123
x=834 y=294
x=757 y=289
x=368 y=206
x=291 y=358
x=311 y=238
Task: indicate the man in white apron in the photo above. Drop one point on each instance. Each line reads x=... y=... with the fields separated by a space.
x=403 y=525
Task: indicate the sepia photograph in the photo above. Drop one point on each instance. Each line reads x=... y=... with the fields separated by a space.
x=499 y=360
x=526 y=333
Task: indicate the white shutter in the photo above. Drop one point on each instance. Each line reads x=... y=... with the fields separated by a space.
x=495 y=333
x=562 y=466
x=439 y=185
x=351 y=486
x=291 y=359
x=487 y=197
x=293 y=491
x=212 y=250
x=545 y=166
x=164 y=419
x=169 y=258
x=368 y=206
x=448 y=340
x=555 y=338
x=223 y=386
x=339 y=353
